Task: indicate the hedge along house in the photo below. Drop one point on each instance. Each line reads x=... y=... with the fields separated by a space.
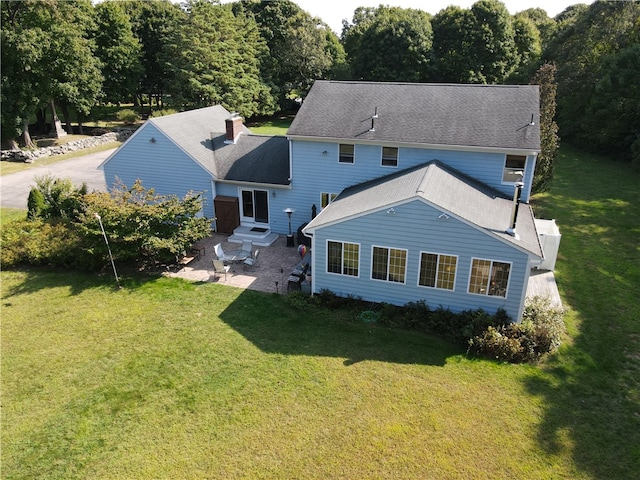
x=211 y=152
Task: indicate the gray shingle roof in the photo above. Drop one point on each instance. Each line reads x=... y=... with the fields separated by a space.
x=446 y=189
x=253 y=158
x=490 y=116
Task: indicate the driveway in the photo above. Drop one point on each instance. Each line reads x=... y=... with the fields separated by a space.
x=15 y=187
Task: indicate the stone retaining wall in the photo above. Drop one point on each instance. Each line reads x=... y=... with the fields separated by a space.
x=29 y=156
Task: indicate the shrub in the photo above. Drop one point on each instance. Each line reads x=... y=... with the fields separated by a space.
x=128 y=116
x=163 y=112
x=539 y=333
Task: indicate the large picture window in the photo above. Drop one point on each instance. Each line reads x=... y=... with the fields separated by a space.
x=489 y=277
x=389 y=264
x=514 y=168
x=343 y=258
x=347 y=153
x=438 y=271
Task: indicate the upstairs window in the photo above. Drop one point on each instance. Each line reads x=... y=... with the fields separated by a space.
x=346 y=153
x=489 y=277
x=514 y=168
x=389 y=157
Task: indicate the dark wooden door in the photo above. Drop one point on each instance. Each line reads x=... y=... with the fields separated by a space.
x=227 y=214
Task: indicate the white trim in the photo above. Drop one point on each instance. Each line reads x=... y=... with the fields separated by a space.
x=406 y=265
x=326 y=264
x=435 y=287
x=486 y=295
x=504 y=167
x=252 y=220
x=330 y=196
x=353 y=162
x=382 y=165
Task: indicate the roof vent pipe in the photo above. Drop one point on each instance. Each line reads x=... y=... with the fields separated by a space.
x=373 y=119
x=514 y=213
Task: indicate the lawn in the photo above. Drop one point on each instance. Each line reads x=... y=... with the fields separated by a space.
x=169 y=379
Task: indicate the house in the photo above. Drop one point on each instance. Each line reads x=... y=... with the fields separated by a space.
x=407 y=191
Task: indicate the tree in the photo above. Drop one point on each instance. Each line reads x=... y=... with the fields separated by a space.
x=453 y=44
x=141 y=225
x=119 y=52
x=545 y=78
x=300 y=48
x=528 y=48
x=494 y=52
x=394 y=45
x=216 y=61
x=590 y=41
x=155 y=25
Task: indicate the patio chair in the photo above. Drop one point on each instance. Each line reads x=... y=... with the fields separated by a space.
x=220 y=253
x=219 y=267
x=252 y=261
x=247 y=245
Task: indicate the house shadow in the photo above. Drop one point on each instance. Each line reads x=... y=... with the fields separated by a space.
x=275 y=327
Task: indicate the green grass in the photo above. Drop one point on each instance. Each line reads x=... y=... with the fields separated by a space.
x=13 y=167
x=272 y=126
x=169 y=379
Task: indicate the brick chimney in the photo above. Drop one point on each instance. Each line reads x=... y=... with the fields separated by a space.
x=234 y=128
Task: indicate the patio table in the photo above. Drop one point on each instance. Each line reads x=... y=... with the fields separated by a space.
x=236 y=256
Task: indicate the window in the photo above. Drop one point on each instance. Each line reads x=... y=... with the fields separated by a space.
x=389 y=264
x=327 y=198
x=343 y=258
x=489 y=277
x=514 y=168
x=389 y=157
x=346 y=153
x=438 y=271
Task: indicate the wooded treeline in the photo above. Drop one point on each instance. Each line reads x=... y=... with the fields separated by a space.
x=257 y=58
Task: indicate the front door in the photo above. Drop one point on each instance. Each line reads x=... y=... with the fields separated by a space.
x=255 y=206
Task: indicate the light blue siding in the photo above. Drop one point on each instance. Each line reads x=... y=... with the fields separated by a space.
x=315 y=168
x=160 y=165
x=416 y=228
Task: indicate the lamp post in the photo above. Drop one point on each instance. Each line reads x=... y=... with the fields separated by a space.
x=104 y=234
x=289 y=211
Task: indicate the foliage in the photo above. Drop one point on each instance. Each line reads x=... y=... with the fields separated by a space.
x=39 y=242
x=55 y=198
x=128 y=116
x=216 y=61
x=142 y=226
x=391 y=44
x=163 y=112
x=539 y=333
x=595 y=49
x=543 y=175
x=118 y=50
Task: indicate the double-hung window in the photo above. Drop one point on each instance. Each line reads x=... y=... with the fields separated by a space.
x=343 y=258
x=389 y=264
x=514 y=168
x=389 y=157
x=437 y=270
x=347 y=153
x=489 y=277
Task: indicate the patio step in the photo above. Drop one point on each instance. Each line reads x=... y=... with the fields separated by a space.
x=257 y=237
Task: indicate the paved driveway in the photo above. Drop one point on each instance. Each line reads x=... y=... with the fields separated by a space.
x=14 y=188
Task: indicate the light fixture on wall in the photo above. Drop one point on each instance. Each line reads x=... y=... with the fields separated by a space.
x=324 y=152
x=443 y=216
x=391 y=211
x=152 y=140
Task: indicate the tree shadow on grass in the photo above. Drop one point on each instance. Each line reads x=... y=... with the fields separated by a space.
x=591 y=389
x=276 y=327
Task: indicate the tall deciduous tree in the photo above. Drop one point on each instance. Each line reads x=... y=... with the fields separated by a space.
x=119 y=51
x=393 y=45
x=155 y=24
x=453 y=44
x=549 y=140
x=216 y=61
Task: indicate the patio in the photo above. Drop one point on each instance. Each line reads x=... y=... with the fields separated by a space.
x=275 y=264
